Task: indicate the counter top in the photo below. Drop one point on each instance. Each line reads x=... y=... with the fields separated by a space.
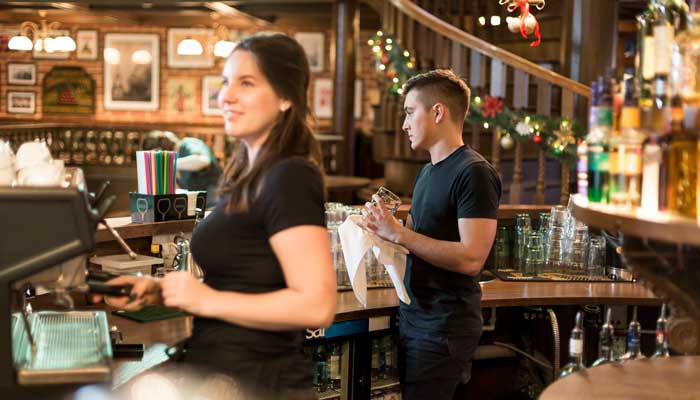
x=655 y=378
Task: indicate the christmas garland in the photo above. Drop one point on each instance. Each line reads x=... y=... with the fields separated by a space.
x=557 y=136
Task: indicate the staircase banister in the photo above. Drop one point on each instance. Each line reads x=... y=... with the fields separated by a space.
x=470 y=41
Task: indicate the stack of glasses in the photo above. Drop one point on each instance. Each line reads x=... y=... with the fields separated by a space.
x=560 y=245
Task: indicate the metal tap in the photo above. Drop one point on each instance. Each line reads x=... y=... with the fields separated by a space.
x=183 y=260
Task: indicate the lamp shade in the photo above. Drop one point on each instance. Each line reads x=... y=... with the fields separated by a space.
x=223 y=48
x=20 y=43
x=65 y=43
x=189 y=47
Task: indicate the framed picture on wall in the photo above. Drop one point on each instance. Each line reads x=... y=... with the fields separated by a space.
x=56 y=55
x=323 y=98
x=131 y=67
x=211 y=85
x=202 y=35
x=312 y=42
x=86 y=45
x=21 y=102
x=21 y=74
x=181 y=95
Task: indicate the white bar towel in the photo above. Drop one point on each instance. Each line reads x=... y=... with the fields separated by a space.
x=356 y=241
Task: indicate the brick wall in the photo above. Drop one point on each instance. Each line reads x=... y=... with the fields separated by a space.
x=96 y=68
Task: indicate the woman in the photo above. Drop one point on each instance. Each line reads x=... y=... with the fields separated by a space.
x=264 y=249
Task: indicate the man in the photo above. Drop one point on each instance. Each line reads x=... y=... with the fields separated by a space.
x=197 y=167
x=449 y=232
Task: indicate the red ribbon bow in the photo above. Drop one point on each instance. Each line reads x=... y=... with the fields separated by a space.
x=491 y=107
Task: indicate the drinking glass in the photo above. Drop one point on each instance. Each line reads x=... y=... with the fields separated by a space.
x=392 y=201
x=534 y=254
x=163 y=207
x=180 y=206
x=577 y=252
x=142 y=207
x=596 y=257
x=501 y=249
x=522 y=227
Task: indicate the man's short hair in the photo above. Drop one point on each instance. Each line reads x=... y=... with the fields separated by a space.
x=444 y=86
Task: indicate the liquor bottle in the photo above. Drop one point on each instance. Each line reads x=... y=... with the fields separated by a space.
x=389 y=356
x=689 y=48
x=582 y=146
x=681 y=180
x=382 y=358
x=629 y=179
x=321 y=368
x=662 y=111
x=335 y=366
x=644 y=61
x=375 y=372
x=575 y=349
x=598 y=142
x=661 y=349
x=634 y=336
x=605 y=341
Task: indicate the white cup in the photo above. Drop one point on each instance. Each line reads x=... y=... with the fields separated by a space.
x=7 y=157
x=32 y=153
x=7 y=175
x=45 y=174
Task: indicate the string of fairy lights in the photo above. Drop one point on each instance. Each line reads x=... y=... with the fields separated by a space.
x=556 y=135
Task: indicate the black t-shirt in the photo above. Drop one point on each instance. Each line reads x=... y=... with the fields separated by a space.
x=234 y=252
x=463 y=185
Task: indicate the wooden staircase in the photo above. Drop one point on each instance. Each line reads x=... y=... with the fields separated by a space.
x=433 y=32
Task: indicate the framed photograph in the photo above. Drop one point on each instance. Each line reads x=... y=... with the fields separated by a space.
x=21 y=74
x=202 y=35
x=131 y=62
x=312 y=42
x=86 y=45
x=357 y=100
x=56 y=55
x=21 y=102
x=211 y=85
x=323 y=98
x=68 y=89
x=181 y=95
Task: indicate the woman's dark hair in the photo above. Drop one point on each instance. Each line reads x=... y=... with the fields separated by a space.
x=283 y=63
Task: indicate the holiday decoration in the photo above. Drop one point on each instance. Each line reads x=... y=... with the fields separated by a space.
x=507 y=142
x=555 y=135
x=492 y=106
x=526 y=22
x=396 y=64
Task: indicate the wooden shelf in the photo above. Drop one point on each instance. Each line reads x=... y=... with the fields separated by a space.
x=660 y=226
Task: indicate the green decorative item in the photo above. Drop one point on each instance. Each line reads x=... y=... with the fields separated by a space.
x=557 y=136
x=68 y=90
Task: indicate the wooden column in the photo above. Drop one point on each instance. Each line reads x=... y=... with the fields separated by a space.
x=346 y=35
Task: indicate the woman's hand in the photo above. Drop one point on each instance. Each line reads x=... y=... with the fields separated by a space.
x=380 y=221
x=183 y=291
x=144 y=291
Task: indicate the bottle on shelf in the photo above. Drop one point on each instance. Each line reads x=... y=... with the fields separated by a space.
x=629 y=153
x=634 y=337
x=389 y=357
x=582 y=146
x=661 y=348
x=575 y=349
x=321 y=368
x=605 y=341
x=644 y=61
x=598 y=140
x=335 y=366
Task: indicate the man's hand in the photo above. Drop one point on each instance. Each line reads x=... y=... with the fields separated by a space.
x=183 y=291
x=380 y=221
